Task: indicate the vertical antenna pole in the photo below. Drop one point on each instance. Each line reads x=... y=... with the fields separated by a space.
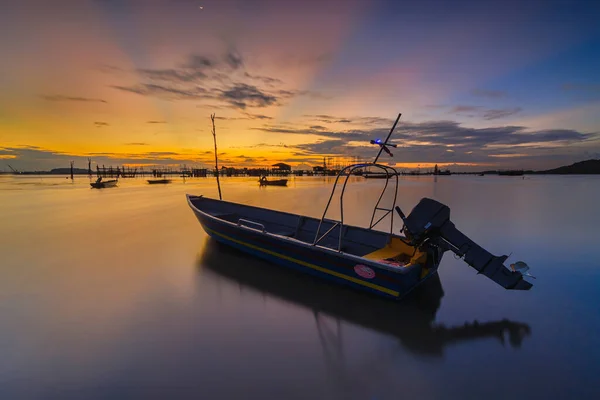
x=214 y=133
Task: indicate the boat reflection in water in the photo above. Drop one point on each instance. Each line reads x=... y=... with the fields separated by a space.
x=411 y=321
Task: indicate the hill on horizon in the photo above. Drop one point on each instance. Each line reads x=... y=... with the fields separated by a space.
x=583 y=167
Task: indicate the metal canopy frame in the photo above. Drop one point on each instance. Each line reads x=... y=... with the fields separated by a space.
x=348 y=172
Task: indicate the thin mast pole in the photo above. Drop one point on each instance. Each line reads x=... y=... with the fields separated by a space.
x=214 y=133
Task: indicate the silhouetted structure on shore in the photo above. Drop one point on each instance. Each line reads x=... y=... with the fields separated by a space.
x=118 y=172
x=437 y=171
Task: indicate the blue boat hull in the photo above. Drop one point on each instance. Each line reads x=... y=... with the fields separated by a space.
x=323 y=263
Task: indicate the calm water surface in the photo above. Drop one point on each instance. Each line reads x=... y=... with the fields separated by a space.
x=119 y=293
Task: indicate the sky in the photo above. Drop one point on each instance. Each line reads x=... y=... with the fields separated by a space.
x=480 y=84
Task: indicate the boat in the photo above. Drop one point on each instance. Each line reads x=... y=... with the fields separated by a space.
x=422 y=336
x=100 y=184
x=263 y=181
x=159 y=181
x=384 y=263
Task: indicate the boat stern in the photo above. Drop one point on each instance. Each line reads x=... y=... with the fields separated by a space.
x=430 y=221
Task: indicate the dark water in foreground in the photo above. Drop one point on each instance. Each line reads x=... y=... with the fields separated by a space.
x=118 y=293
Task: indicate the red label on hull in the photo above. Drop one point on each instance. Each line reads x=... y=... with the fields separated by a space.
x=364 y=271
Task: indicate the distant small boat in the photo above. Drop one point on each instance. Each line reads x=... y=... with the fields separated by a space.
x=100 y=184
x=159 y=181
x=278 y=182
x=480 y=174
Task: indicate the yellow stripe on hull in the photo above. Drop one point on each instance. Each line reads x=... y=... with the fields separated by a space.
x=309 y=265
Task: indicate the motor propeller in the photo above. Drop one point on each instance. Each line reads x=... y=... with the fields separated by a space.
x=521 y=267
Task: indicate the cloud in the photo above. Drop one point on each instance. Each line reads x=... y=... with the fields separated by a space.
x=145 y=89
x=109 y=69
x=330 y=119
x=156 y=122
x=234 y=59
x=481 y=112
x=493 y=94
x=7 y=154
x=462 y=109
x=287 y=94
x=259 y=145
x=172 y=75
x=431 y=141
x=257 y=116
x=327 y=147
x=264 y=79
x=100 y=124
x=223 y=80
x=198 y=62
x=347 y=135
x=242 y=95
x=136 y=144
x=163 y=157
x=160 y=154
x=195 y=68
x=375 y=121
x=30 y=158
x=58 y=97
x=453 y=133
x=246 y=116
x=511 y=155
x=501 y=113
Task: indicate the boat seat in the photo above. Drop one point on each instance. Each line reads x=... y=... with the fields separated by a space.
x=397 y=250
x=383 y=253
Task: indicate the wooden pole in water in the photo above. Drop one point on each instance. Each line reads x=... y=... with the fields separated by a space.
x=72 y=162
x=214 y=133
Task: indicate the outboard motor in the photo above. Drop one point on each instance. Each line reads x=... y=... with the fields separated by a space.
x=431 y=220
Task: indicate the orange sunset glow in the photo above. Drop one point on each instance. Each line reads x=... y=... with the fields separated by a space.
x=134 y=83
